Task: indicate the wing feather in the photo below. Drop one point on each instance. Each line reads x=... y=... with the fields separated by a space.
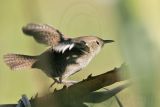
x=62 y=47
x=43 y=33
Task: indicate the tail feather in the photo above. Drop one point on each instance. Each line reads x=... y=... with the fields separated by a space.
x=17 y=61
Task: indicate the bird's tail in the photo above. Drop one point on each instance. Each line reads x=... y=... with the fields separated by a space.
x=17 y=61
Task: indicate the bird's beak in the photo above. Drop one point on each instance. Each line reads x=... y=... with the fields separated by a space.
x=108 y=41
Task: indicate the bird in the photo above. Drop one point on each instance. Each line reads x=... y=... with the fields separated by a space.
x=64 y=57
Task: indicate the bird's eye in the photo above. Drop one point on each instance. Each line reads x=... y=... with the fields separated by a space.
x=97 y=42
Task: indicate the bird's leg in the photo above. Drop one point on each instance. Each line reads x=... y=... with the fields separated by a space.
x=67 y=82
x=56 y=80
x=63 y=81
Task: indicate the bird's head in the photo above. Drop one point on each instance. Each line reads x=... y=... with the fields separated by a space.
x=94 y=43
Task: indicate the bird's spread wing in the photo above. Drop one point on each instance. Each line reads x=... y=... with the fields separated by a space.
x=43 y=33
x=69 y=45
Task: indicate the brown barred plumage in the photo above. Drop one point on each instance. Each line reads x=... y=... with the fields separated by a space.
x=16 y=61
x=65 y=56
x=43 y=33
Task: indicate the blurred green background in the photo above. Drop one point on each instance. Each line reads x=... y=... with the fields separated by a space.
x=133 y=24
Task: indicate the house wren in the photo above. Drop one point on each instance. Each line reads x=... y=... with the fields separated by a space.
x=65 y=56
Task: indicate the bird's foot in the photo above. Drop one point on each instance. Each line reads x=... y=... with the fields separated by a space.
x=68 y=83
